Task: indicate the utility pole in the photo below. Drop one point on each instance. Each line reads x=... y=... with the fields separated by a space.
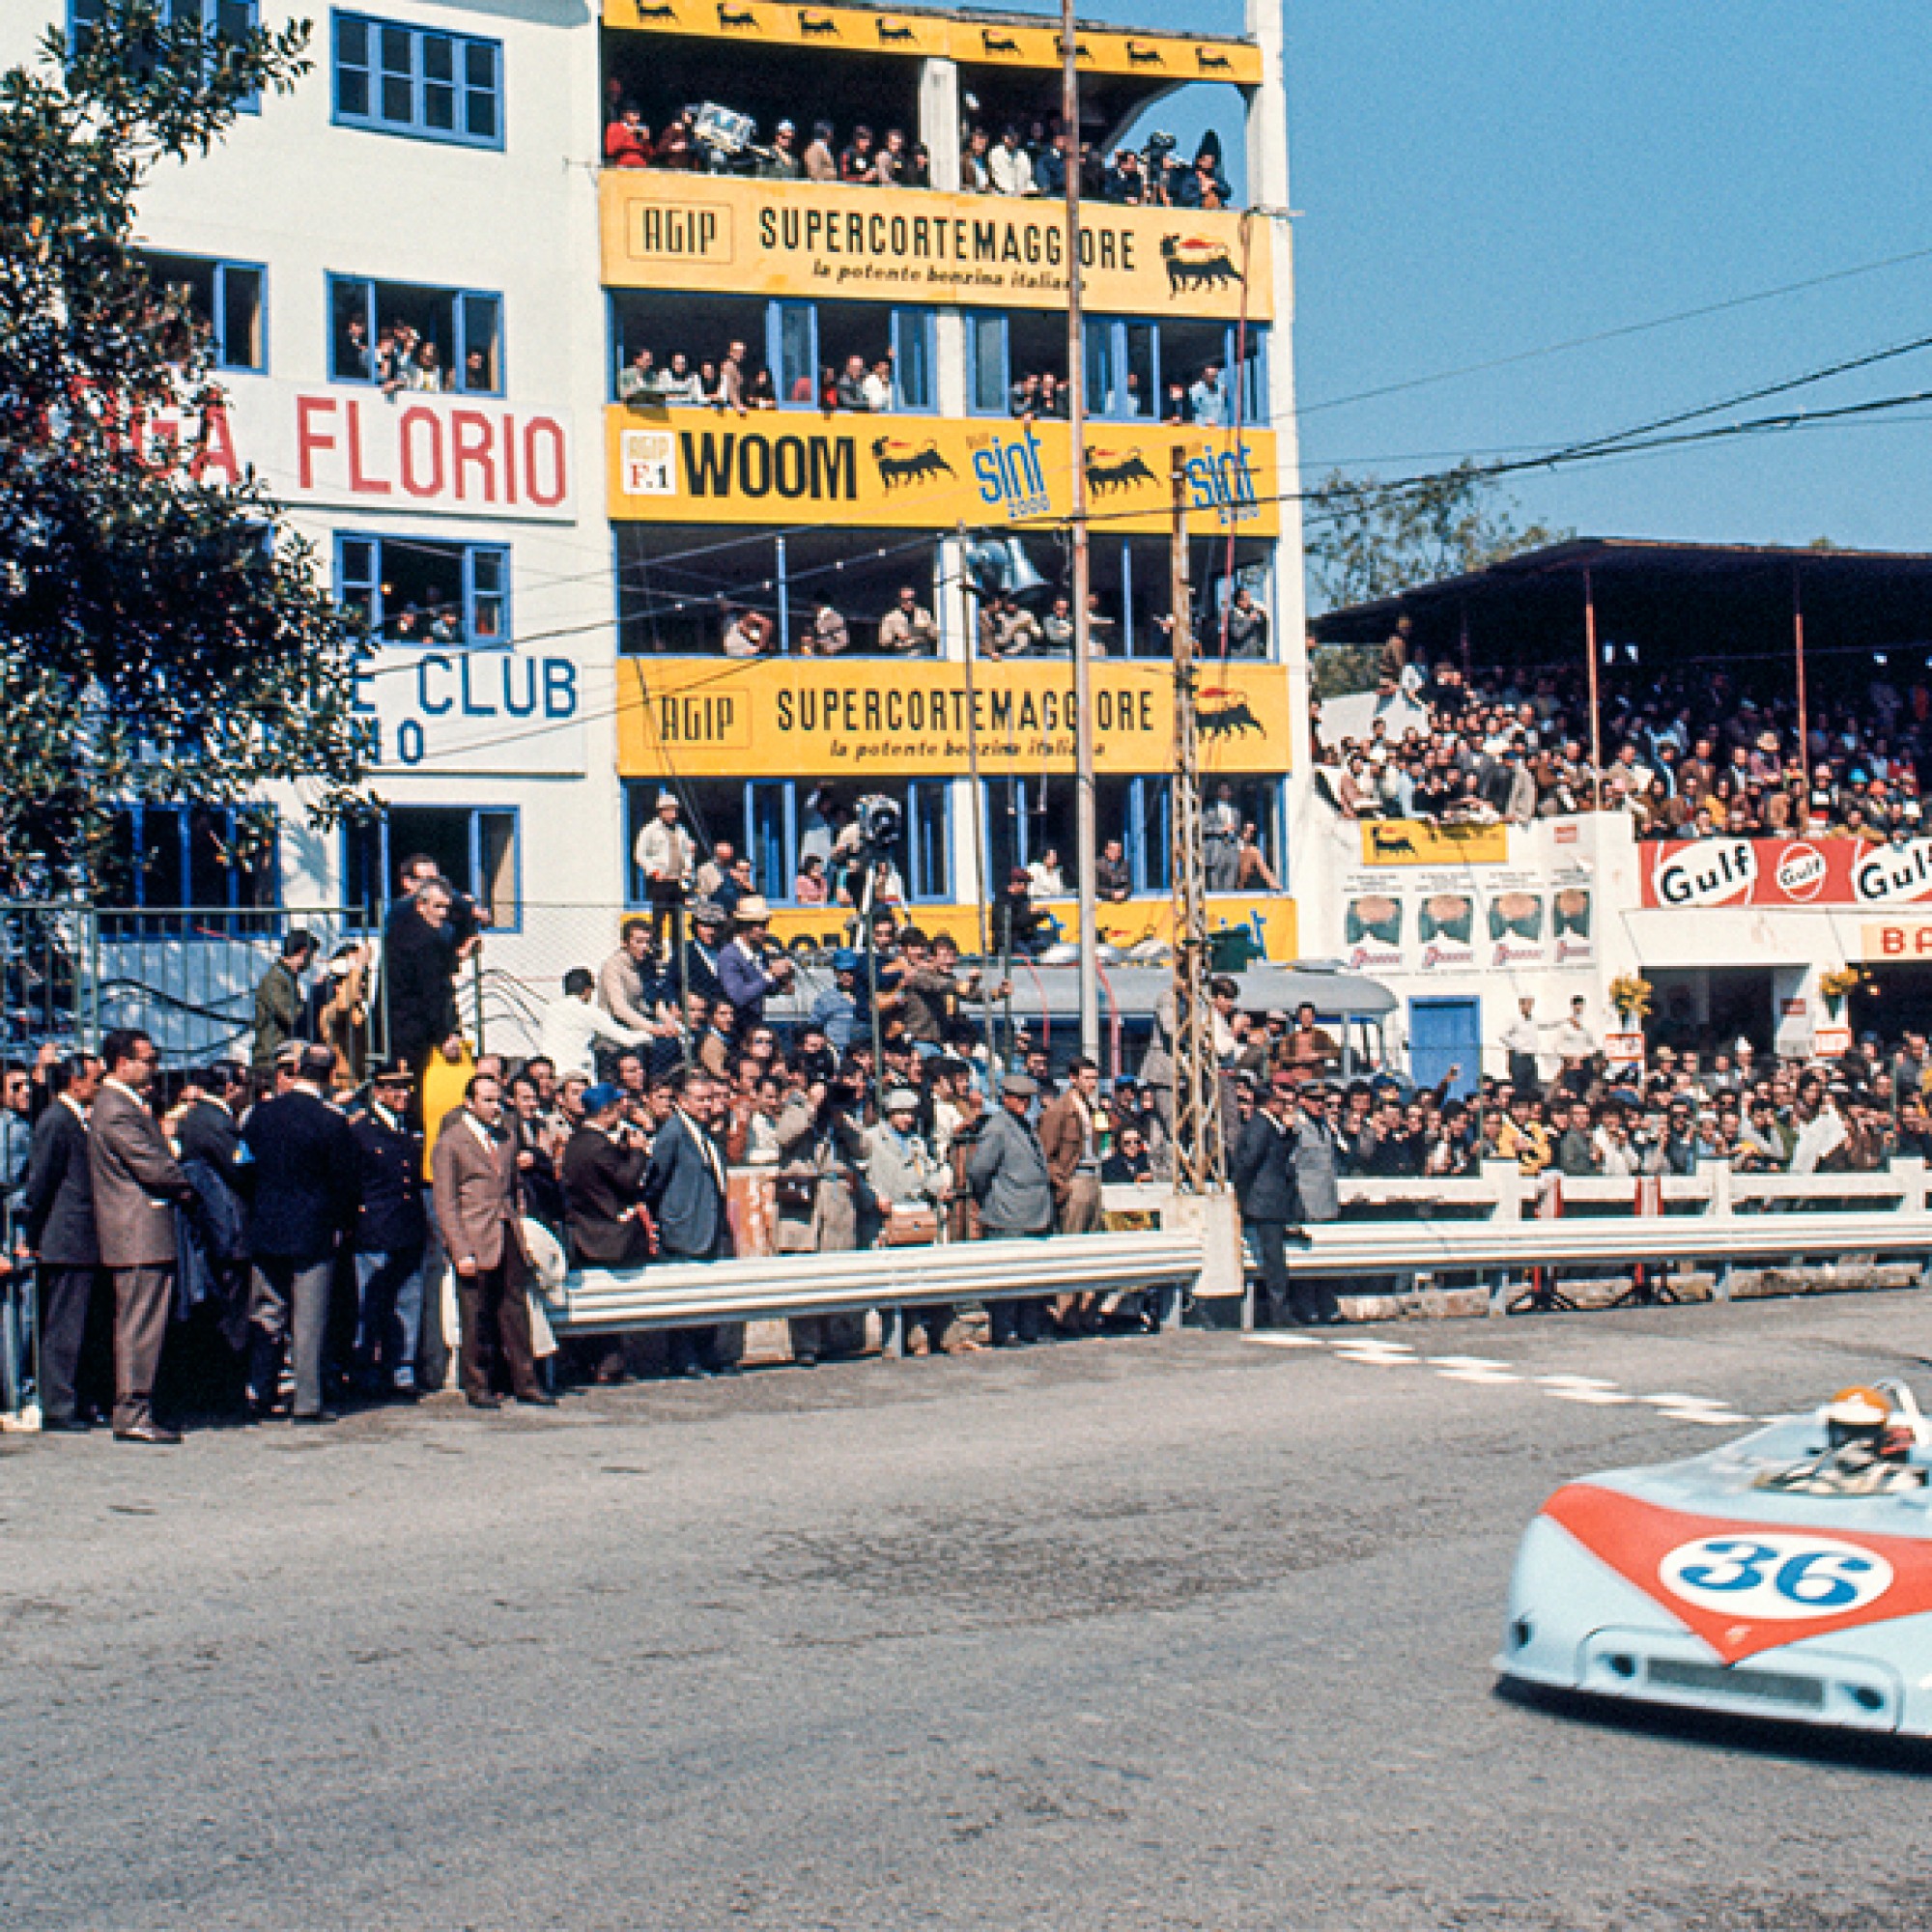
x=1200 y=1163
x=1084 y=810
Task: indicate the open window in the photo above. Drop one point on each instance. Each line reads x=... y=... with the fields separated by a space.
x=406 y=336
x=420 y=593
x=219 y=302
x=177 y=858
x=476 y=848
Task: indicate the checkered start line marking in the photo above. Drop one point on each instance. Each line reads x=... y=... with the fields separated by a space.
x=1487 y=1372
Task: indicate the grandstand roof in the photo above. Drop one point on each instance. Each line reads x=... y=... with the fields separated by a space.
x=1736 y=597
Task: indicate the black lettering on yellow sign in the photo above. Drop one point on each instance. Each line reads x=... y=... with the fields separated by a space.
x=825 y=468
x=682 y=233
x=1000 y=713
x=917 y=237
x=696 y=721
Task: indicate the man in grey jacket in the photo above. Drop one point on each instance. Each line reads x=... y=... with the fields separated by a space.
x=1009 y=1177
x=136 y=1184
x=1314 y=1161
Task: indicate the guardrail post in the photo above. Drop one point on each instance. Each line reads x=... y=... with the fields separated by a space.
x=1505 y=1183
x=1909 y=1171
x=1716 y=1175
x=1215 y=1219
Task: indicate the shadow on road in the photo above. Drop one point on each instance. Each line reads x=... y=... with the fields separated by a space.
x=1757 y=1736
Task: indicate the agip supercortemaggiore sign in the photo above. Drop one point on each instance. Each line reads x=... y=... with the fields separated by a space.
x=728 y=236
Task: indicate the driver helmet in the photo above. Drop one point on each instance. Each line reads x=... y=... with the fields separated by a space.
x=1856 y=1414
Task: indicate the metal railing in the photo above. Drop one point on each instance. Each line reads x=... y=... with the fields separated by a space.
x=774 y=1287
x=70 y=971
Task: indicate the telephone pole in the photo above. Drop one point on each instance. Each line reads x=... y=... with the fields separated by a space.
x=1200 y=1163
x=1085 y=810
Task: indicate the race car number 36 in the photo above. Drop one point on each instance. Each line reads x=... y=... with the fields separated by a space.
x=1766 y=1575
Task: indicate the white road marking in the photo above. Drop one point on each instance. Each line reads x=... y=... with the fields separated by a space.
x=1375 y=1351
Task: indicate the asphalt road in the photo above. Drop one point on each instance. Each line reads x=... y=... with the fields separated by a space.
x=1182 y=1632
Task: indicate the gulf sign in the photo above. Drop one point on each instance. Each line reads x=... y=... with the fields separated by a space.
x=1689 y=875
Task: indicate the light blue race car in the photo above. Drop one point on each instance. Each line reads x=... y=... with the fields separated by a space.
x=1786 y=1575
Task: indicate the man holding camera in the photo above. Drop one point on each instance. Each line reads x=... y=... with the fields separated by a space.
x=748 y=969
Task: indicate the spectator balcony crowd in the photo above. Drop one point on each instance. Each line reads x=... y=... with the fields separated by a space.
x=1693 y=755
x=1019 y=157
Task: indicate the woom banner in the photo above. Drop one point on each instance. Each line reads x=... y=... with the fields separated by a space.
x=689 y=465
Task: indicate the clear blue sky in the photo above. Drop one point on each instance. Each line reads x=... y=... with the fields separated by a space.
x=1494 y=176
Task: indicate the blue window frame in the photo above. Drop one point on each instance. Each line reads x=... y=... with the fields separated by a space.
x=915 y=355
x=228 y=19
x=226 y=298
x=986 y=365
x=398 y=79
x=478 y=848
x=422 y=593
x=770 y=821
x=465 y=327
x=208 y=857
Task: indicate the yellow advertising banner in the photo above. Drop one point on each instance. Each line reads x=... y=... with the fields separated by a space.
x=872 y=717
x=720 y=233
x=696 y=466
x=1124 y=923
x=1409 y=841
x=1004 y=42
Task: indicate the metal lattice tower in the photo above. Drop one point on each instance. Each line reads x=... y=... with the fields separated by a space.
x=1200 y=1158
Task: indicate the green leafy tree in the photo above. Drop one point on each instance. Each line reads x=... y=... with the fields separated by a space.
x=163 y=635
x=1367 y=539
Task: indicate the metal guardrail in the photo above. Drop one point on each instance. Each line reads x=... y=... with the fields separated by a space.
x=776 y=1287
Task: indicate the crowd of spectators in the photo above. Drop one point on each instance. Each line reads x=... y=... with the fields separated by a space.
x=273 y=1239
x=401 y=357
x=1689 y=757
x=734 y=381
x=1020 y=158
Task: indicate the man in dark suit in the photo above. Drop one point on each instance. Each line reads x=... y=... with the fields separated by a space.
x=1264 y=1178
x=136 y=1184
x=603 y=1172
x=685 y=1190
x=211 y=1130
x=391 y=1234
x=306 y=1180
x=478 y=1209
x=419 y=975
x=60 y=1232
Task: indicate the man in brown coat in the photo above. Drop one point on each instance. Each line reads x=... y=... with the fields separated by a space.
x=136 y=1184
x=477 y=1210
x=1070 y=1137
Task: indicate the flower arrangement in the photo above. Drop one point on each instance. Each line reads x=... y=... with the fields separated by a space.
x=1629 y=994
x=1836 y=985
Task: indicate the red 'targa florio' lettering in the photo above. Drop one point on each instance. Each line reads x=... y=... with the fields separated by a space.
x=420 y=482
x=472 y=447
x=551 y=490
x=363 y=485
x=309 y=435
